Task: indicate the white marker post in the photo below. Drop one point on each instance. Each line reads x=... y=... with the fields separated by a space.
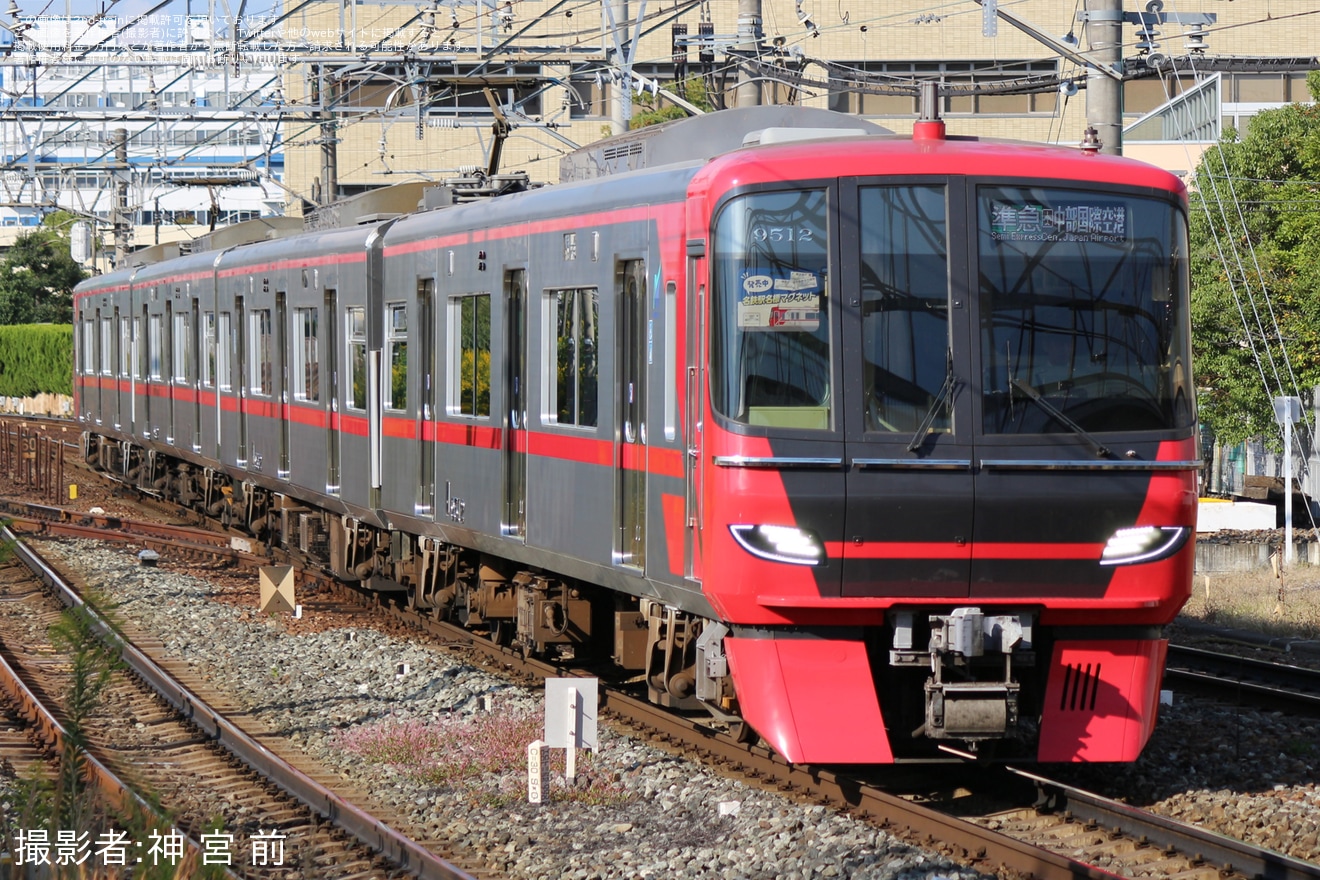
x=1287 y=410
x=538 y=772
x=570 y=718
x=570 y=753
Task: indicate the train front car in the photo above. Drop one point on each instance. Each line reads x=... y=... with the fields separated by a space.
x=946 y=466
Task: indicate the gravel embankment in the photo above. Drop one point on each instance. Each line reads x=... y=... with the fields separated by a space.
x=660 y=817
x=1243 y=773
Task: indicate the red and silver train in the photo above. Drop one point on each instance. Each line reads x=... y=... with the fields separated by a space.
x=880 y=447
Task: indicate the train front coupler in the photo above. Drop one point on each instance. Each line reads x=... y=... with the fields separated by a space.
x=971 y=694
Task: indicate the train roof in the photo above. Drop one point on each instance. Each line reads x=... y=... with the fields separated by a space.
x=656 y=162
x=697 y=139
x=966 y=156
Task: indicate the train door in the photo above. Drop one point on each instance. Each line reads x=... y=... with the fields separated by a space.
x=240 y=381
x=183 y=421
x=151 y=372
x=96 y=366
x=123 y=346
x=195 y=372
x=331 y=374
x=280 y=376
x=693 y=384
x=224 y=380
x=138 y=413
x=167 y=373
x=631 y=458
x=208 y=386
x=514 y=521
x=426 y=445
x=907 y=419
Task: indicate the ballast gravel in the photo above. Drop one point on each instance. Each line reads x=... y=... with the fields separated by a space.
x=1243 y=773
x=665 y=820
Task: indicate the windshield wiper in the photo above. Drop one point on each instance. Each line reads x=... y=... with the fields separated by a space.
x=924 y=428
x=1054 y=411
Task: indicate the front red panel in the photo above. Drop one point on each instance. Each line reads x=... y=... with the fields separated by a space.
x=1101 y=699
x=812 y=699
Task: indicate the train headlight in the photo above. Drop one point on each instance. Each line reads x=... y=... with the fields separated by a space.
x=1143 y=544
x=780 y=543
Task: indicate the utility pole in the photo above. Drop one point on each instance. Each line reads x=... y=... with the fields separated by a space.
x=120 y=208
x=621 y=109
x=1104 y=94
x=749 y=45
x=329 y=159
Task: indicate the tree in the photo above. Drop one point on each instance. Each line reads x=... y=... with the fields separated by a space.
x=37 y=277
x=1255 y=269
x=656 y=108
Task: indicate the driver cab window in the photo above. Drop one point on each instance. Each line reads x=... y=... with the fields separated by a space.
x=770 y=341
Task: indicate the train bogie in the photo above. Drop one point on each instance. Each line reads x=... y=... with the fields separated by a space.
x=882 y=449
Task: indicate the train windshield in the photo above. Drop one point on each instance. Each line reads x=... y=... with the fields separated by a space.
x=1081 y=322
x=770 y=343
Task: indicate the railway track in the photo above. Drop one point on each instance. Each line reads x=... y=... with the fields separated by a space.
x=1050 y=830
x=1244 y=679
x=187 y=746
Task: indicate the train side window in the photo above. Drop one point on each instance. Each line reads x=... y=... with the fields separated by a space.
x=208 y=350
x=182 y=347
x=259 y=354
x=771 y=347
x=306 y=356
x=89 y=345
x=140 y=367
x=355 y=321
x=125 y=347
x=107 y=346
x=225 y=344
x=572 y=356
x=396 y=354
x=469 y=392
x=154 y=346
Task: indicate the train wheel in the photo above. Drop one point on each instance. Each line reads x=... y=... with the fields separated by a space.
x=743 y=733
x=500 y=630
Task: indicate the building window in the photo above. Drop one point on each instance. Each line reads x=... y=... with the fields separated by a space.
x=307 y=357
x=470 y=389
x=848 y=78
x=396 y=353
x=356 y=323
x=573 y=356
x=589 y=99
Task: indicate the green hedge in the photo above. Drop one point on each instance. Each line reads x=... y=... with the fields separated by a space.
x=36 y=359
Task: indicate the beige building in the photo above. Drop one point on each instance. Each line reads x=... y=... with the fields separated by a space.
x=409 y=88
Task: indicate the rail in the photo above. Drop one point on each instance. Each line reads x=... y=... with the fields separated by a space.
x=361 y=825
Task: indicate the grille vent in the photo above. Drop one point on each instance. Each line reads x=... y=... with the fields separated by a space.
x=1080 y=685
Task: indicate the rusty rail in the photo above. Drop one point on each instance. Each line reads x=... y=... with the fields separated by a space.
x=360 y=824
x=32 y=459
